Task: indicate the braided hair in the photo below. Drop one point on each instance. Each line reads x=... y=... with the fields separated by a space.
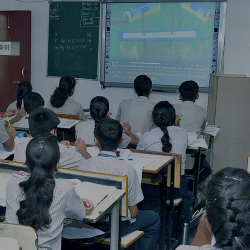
x=23 y=88
x=228 y=208
x=42 y=156
x=61 y=93
x=99 y=107
x=164 y=116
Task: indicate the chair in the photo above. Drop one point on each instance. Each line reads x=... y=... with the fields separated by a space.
x=26 y=236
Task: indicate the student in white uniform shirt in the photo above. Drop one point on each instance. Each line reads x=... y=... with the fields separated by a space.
x=41 y=201
x=61 y=101
x=166 y=137
x=7 y=136
x=227 y=213
x=99 y=109
x=138 y=111
x=44 y=121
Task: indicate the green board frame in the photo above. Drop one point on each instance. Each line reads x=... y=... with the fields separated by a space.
x=73 y=39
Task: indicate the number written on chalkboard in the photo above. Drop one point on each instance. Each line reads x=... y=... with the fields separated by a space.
x=73 y=39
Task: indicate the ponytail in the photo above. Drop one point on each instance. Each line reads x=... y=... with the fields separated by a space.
x=164 y=116
x=23 y=88
x=42 y=156
x=61 y=93
x=99 y=107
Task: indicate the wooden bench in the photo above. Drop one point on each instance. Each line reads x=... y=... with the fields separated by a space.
x=126 y=240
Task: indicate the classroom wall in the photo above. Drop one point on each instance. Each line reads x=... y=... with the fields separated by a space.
x=237 y=54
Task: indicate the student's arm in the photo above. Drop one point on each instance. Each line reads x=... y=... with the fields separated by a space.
x=20 y=114
x=203 y=234
x=133 y=210
x=127 y=128
x=81 y=146
x=118 y=115
x=10 y=112
x=10 y=144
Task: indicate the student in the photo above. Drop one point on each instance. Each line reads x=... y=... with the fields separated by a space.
x=166 y=137
x=108 y=135
x=9 y=112
x=193 y=119
x=138 y=111
x=61 y=101
x=41 y=201
x=99 y=109
x=43 y=121
x=23 y=88
x=227 y=213
x=7 y=136
x=33 y=101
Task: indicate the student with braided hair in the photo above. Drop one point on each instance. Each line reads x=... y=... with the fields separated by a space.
x=23 y=88
x=166 y=137
x=40 y=200
x=99 y=109
x=227 y=215
x=61 y=101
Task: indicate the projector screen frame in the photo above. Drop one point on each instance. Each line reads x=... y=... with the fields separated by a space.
x=158 y=87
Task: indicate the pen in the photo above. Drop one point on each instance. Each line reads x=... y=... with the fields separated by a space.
x=8 y=121
x=178 y=118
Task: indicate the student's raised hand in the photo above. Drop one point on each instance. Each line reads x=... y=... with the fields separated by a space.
x=11 y=130
x=65 y=143
x=88 y=205
x=10 y=112
x=126 y=126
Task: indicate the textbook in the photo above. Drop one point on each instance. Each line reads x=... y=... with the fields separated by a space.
x=91 y=191
x=66 y=123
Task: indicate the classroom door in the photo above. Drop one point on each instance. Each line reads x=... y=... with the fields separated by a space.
x=15 y=53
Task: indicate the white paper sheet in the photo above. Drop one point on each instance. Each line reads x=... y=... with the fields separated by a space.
x=211 y=131
x=66 y=123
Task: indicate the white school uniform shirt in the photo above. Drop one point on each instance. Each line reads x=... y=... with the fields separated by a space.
x=70 y=107
x=111 y=165
x=85 y=131
x=193 y=118
x=4 y=137
x=68 y=157
x=178 y=138
x=66 y=204
x=138 y=111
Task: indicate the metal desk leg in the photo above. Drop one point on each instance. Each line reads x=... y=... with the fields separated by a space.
x=163 y=214
x=171 y=208
x=115 y=227
x=196 y=181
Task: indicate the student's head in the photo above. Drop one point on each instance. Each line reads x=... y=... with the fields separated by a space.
x=99 y=108
x=32 y=101
x=143 y=85
x=42 y=121
x=66 y=88
x=189 y=91
x=42 y=158
x=108 y=134
x=164 y=116
x=23 y=88
x=228 y=208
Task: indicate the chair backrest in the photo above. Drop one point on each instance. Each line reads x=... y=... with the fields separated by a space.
x=26 y=236
x=68 y=116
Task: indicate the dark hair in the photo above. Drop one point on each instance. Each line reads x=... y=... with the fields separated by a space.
x=142 y=85
x=164 y=116
x=189 y=90
x=23 y=88
x=109 y=134
x=42 y=121
x=32 y=101
x=99 y=107
x=228 y=208
x=61 y=93
x=42 y=156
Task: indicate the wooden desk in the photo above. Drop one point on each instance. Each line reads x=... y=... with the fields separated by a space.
x=166 y=172
x=111 y=204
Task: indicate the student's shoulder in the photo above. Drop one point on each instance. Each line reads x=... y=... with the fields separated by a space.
x=72 y=101
x=177 y=129
x=63 y=186
x=204 y=247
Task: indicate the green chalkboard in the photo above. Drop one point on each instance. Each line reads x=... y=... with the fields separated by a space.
x=73 y=39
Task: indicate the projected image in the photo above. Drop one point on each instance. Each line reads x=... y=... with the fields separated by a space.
x=170 y=42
